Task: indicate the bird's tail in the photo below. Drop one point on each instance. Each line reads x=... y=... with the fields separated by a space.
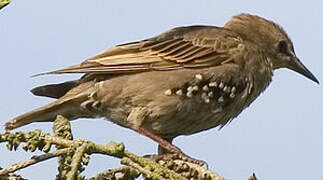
x=45 y=113
x=68 y=106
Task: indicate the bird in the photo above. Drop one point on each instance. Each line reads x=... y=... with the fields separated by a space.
x=186 y=80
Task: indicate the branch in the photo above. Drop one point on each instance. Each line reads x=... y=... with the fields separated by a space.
x=77 y=160
x=74 y=154
x=62 y=129
x=123 y=172
x=31 y=161
x=4 y=3
x=253 y=177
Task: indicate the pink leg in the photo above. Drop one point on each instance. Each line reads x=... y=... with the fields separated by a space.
x=166 y=150
x=163 y=144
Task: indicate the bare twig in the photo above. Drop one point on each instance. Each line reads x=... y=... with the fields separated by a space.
x=31 y=161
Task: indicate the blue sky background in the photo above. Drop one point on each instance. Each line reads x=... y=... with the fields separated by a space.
x=278 y=137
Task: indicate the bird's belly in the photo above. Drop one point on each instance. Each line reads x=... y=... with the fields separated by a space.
x=191 y=117
x=187 y=102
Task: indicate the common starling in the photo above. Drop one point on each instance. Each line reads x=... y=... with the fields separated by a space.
x=181 y=82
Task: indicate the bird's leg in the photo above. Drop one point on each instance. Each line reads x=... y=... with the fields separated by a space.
x=163 y=145
x=161 y=150
x=166 y=150
x=135 y=119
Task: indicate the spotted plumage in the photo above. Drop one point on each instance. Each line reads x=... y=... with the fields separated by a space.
x=181 y=82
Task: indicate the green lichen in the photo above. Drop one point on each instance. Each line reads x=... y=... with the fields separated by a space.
x=4 y=3
x=33 y=140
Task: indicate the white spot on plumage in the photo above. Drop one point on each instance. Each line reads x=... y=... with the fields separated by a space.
x=199 y=76
x=221 y=99
x=189 y=94
x=205 y=88
x=221 y=85
x=168 y=92
x=207 y=100
x=179 y=92
x=227 y=89
x=241 y=46
x=210 y=94
x=101 y=83
x=233 y=89
x=213 y=84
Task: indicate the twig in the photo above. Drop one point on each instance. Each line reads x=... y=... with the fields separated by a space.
x=76 y=153
x=4 y=3
x=155 y=169
x=253 y=177
x=124 y=172
x=76 y=163
x=31 y=161
x=128 y=162
x=62 y=129
x=200 y=172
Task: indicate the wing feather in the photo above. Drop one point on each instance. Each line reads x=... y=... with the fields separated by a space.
x=184 y=47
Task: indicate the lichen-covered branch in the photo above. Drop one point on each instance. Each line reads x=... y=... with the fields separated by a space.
x=253 y=177
x=32 y=160
x=77 y=161
x=74 y=155
x=124 y=172
x=149 y=168
x=62 y=129
x=4 y=3
x=11 y=177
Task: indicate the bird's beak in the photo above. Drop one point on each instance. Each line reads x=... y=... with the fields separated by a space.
x=299 y=67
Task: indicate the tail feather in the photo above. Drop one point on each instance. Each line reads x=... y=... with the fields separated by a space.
x=68 y=106
x=45 y=113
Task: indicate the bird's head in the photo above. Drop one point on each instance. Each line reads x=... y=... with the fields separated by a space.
x=272 y=39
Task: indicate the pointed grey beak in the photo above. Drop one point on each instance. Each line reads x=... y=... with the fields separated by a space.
x=299 y=67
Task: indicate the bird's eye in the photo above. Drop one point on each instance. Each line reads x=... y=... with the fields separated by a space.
x=283 y=47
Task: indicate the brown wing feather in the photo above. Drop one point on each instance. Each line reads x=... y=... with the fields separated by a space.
x=184 y=47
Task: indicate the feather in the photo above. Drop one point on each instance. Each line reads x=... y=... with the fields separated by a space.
x=192 y=46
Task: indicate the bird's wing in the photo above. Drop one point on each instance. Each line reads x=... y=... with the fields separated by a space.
x=183 y=47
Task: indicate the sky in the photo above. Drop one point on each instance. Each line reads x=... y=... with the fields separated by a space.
x=278 y=137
